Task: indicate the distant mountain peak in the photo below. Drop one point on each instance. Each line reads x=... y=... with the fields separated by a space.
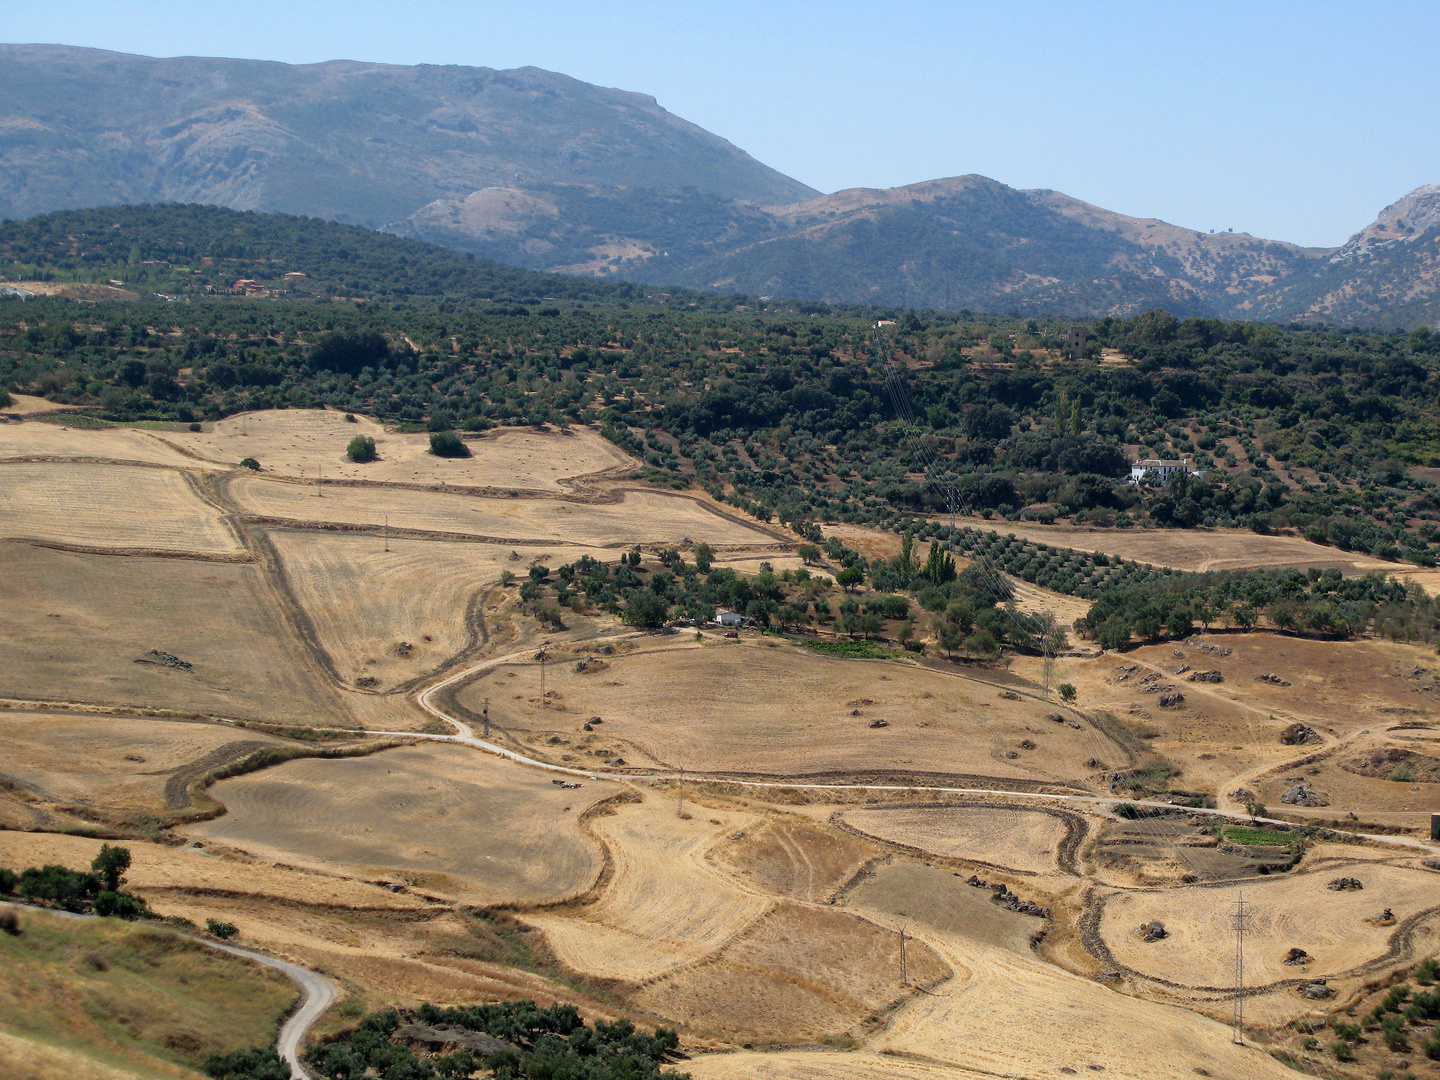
x=1407 y=219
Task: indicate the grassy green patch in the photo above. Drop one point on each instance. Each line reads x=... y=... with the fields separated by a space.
x=74 y=420
x=853 y=650
x=132 y=997
x=1258 y=837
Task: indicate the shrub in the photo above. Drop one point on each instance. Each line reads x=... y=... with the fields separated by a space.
x=257 y=1063
x=1343 y=1051
x=350 y=418
x=111 y=864
x=194 y=426
x=1067 y=692
x=447 y=444
x=5 y=399
x=119 y=904
x=361 y=449
x=223 y=930
x=10 y=923
x=8 y=880
x=250 y=463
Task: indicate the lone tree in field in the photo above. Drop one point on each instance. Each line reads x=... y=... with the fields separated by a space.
x=250 y=463
x=111 y=864
x=361 y=449
x=448 y=444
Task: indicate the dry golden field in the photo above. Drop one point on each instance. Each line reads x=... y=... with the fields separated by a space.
x=450 y=821
x=80 y=627
x=653 y=518
x=796 y=858
x=311 y=443
x=47 y=440
x=715 y=708
x=1012 y=838
x=666 y=903
x=1296 y=910
x=99 y=506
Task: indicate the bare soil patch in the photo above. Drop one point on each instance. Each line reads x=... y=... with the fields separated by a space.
x=796 y=858
x=918 y=896
x=824 y=972
x=109 y=507
x=445 y=818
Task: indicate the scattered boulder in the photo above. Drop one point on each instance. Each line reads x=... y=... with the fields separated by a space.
x=168 y=659
x=1345 y=884
x=367 y=681
x=1242 y=794
x=1172 y=701
x=1301 y=793
x=606 y=650
x=1206 y=676
x=1318 y=990
x=1430 y=864
x=1026 y=744
x=1009 y=695
x=1153 y=931
x=1272 y=679
x=1296 y=956
x=879 y=723
x=978 y=882
x=1385 y=918
x=1178 y=654
x=1012 y=754
x=1095 y=763
x=404 y=648
x=1181 y=669
x=1055 y=718
x=1108 y=974
x=1298 y=734
x=582 y=666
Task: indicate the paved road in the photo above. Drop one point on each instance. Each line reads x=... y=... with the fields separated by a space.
x=317 y=991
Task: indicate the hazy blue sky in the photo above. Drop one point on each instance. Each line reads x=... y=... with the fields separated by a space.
x=1296 y=121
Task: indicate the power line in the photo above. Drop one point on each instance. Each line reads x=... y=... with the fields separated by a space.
x=1240 y=923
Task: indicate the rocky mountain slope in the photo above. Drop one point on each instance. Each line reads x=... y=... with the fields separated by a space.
x=361 y=143
x=542 y=171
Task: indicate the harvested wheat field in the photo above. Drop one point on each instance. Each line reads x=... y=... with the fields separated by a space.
x=824 y=972
x=1391 y=778
x=792 y=857
x=366 y=604
x=639 y=516
x=304 y=442
x=113 y=763
x=443 y=817
x=50 y=440
x=110 y=507
x=81 y=627
x=1338 y=929
x=1192 y=549
x=666 y=904
x=820 y=1065
x=104 y=998
x=1012 y=838
x=1007 y=1013
x=715 y=708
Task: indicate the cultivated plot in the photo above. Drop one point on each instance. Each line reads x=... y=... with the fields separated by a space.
x=823 y=972
x=391 y=616
x=637 y=517
x=796 y=858
x=109 y=507
x=83 y=627
x=112 y=762
x=758 y=707
x=443 y=817
x=665 y=905
x=1025 y=840
x=311 y=442
x=1339 y=930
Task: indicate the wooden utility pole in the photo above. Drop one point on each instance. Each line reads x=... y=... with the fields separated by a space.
x=387 y=532
x=680 y=795
x=485 y=717
x=904 y=966
x=543 y=658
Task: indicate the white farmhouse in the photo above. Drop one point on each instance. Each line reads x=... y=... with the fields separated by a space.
x=1159 y=469
x=729 y=618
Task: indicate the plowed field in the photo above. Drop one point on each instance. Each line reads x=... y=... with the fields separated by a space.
x=1016 y=839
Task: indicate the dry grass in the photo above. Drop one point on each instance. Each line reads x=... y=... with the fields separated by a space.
x=98 y=506
x=75 y=626
x=298 y=442
x=824 y=971
x=666 y=903
x=113 y=999
x=118 y=444
x=648 y=517
x=1018 y=839
x=1191 y=549
x=820 y=1065
x=451 y=821
x=755 y=706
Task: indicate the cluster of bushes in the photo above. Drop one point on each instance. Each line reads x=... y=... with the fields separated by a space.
x=96 y=890
x=551 y=1043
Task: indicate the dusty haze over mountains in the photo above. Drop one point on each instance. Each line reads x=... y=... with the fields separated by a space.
x=541 y=170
